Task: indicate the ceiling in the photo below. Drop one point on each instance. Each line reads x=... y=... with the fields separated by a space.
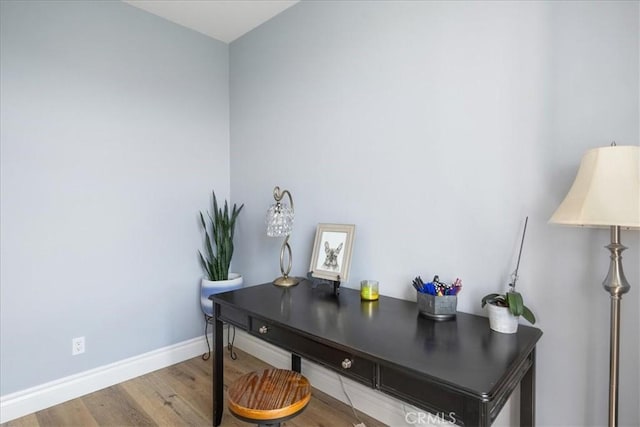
x=225 y=20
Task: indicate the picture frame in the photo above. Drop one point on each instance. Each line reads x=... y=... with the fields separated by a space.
x=332 y=248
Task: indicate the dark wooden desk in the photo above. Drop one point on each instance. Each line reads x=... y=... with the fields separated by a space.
x=459 y=369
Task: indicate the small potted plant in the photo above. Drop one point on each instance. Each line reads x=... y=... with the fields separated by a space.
x=505 y=309
x=218 y=251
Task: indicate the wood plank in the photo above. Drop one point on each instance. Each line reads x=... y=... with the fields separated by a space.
x=73 y=412
x=113 y=406
x=190 y=386
x=162 y=403
x=30 y=420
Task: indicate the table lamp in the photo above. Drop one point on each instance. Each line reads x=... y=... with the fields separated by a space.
x=606 y=193
x=280 y=223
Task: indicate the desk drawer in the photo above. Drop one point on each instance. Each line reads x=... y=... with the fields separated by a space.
x=422 y=392
x=347 y=364
x=236 y=317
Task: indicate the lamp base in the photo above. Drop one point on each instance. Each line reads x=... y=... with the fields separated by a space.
x=286 y=281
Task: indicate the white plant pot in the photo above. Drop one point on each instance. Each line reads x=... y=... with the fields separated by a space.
x=210 y=287
x=501 y=319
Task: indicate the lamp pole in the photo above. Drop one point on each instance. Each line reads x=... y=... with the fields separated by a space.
x=616 y=284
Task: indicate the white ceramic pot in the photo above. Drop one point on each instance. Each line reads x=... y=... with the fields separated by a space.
x=209 y=287
x=501 y=319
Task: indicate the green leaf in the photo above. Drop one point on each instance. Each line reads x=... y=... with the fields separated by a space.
x=234 y=215
x=515 y=303
x=208 y=248
x=527 y=314
x=215 y=204
x=206 y=267
x=204 y=225
x=489 y=299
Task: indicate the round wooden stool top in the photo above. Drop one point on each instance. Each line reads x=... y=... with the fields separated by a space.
x=269 y=395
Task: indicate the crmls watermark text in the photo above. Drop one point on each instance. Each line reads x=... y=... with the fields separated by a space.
x=429 y=418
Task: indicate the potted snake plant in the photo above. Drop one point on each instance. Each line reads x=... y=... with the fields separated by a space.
x=219 y=228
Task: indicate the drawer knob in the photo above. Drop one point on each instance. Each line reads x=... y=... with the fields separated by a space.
x=263 y=329
x=346 y=363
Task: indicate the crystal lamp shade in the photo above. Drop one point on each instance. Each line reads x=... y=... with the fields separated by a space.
x=279 y=220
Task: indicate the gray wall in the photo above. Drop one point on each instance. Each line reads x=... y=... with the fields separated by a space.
x=115 y=129
x=436 y=127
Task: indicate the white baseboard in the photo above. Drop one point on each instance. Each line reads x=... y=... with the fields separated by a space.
x=43 y=396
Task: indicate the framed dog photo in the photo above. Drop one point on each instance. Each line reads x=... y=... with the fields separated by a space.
x=331 y=257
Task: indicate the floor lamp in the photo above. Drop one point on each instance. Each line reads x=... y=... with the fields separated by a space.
x=606 y=193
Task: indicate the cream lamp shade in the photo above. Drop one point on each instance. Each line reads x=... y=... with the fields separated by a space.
x=606 y=190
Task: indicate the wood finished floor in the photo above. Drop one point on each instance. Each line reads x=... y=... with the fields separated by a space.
x=179 y=395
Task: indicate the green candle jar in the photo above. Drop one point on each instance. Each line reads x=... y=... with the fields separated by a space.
x=369 y=290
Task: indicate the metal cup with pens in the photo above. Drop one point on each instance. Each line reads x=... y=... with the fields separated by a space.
x=437 y=300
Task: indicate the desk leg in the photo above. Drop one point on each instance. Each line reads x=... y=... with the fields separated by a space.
x=475 y=413
x=528 y=395
x=218 y=368
x=296 y=365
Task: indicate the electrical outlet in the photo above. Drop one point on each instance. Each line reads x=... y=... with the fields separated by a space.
x=77 y=346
